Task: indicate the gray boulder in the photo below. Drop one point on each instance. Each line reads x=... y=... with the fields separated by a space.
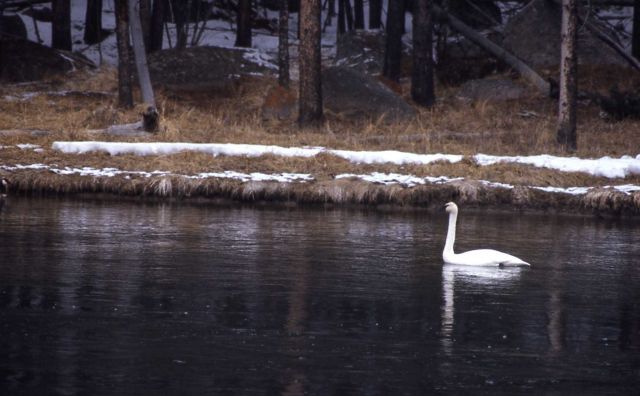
x=361 y=50
x=22 y=60
x=12 y=25
x=533 y=35
x=354 y=94
x=205 y=68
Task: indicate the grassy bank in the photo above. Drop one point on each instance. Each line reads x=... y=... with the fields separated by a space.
x=523 y=127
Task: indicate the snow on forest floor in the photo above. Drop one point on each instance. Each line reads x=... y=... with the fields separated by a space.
x=218 y=33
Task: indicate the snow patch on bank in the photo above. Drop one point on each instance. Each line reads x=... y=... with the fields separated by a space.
x=112 y=172
x=215 y=149
x=375 y=177
x=396 y=178
x=604 y=167
x=251 y=150
x=412 y=181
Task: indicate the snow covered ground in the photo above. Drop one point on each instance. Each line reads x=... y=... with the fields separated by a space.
x=251 y=150
x=217 y=33
x=603 y=167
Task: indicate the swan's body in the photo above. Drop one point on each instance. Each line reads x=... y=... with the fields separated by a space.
x=4 y=186
x=480 y=257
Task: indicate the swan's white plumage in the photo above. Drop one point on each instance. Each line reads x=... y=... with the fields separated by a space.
x=480 y=257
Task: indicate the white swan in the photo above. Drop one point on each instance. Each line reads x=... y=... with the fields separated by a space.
x=4 y=186
x=480 y=257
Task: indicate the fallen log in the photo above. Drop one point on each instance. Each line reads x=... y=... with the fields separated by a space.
x=525 y=70
x=133 y=130
x=24 y=132
x=586 y=21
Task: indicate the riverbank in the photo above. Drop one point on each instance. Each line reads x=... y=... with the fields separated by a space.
x=34 y=120
x=596 y=201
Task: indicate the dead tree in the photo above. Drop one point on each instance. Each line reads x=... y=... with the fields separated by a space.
x=310 y=96
x=566 y=134
x=422 y=91
x=125 y=73
x=283 y=44
x=586 y=21
x=150 y=117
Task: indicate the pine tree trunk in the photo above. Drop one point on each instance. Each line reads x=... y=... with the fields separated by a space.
x=181 y=13
x=393 y=46
x=375 y=14
x=283 y=44
x=243 y=27
x=93 y=22
x=403 y=21
x=358 y=8
x=568 y=80
x=125 y=73
x=635 y=38
x=348 y=13
x=310 y=96
x=157 y=22
x=422 y=90
x=145 y=21
x=341 y=21
x=61 y=25
x=140 y=54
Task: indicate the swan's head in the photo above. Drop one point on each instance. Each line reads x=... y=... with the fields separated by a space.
x=450 y=207
x=4 y=186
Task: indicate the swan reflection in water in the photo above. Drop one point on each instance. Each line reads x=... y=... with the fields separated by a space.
x=469 y=278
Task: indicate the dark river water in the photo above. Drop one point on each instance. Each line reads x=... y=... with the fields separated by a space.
x=105 y=298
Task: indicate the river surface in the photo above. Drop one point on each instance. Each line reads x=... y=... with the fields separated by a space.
x=107 y=298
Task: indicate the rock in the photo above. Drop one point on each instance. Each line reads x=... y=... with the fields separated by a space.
x=354 y=94
x=12 y=25
x=533 y=35
x=463 y=60
x=521 y=196
x=280 y=103
x=205 y=68
x=491 y=89
x=32 y=61
x=361 y=50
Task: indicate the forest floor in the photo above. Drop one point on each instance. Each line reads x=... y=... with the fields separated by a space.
x=522 y=127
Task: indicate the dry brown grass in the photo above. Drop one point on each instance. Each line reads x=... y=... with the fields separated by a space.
x=234 y=116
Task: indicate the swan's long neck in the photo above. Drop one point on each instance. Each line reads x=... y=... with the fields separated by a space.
x=451 y=233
